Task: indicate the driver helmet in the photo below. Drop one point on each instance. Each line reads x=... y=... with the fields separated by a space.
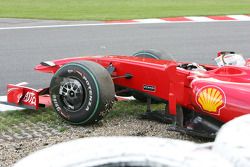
x=230 y=59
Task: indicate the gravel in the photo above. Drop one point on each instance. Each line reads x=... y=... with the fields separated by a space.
x=12 y=151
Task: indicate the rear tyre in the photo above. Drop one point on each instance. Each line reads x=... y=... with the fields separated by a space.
x=153 y=54
x=82 y=93
x=121 y=91
x=150 y=53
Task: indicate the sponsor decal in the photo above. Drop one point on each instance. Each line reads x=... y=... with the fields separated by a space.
x=57 y=107
x=70 y=71
x=30 y=97
x=149 y=88
x=211 y=99
x=79 y=73
x=90 y=92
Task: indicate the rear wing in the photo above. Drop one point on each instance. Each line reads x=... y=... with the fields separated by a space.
x=20 y=95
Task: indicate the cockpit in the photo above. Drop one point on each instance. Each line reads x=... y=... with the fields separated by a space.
x=225 y=58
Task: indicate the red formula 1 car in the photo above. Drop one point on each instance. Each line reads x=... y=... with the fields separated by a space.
x=199 y=98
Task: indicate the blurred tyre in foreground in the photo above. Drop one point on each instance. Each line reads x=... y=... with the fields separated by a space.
x=231 y=148
x=124 y=151
x=233 y=141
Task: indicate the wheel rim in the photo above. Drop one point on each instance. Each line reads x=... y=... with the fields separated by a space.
x=72 y=94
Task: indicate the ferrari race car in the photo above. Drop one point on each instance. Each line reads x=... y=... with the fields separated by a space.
x=198 y=98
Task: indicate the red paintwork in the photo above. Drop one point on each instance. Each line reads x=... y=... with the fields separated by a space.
x=24 y=96
x=221 y=18
x=234 y=82
x=177 y=85
x=45 y=99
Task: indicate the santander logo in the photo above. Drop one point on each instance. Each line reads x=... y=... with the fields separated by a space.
x=30 y=98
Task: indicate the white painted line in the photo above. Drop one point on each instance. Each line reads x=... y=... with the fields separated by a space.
x=200 y=19
x=133 y=22
x=151 y=21
x=240 y=17
x=72 y=25
x=125 y=98
x=54 y=26
x=81 y=25
x=84 y=25
x=4 y=107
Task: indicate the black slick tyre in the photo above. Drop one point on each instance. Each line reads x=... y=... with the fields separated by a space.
x=150 y=53
x=82 y=93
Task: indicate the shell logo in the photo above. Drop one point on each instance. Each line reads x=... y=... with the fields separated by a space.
x=211 y=99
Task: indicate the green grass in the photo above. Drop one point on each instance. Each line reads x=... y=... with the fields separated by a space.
x=134 y=108
x=118 y=9
x=120 y=110
x=12 y=118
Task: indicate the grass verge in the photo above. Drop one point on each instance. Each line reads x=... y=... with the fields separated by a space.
x=10 y=119
x=47 y=116
x=115 y=9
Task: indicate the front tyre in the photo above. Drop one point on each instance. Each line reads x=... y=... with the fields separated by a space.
x=82 y=93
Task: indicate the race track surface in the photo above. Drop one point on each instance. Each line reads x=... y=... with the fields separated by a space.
x=22 y=49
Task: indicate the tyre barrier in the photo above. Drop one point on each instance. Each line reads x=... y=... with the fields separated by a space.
x=230 y=148
x=233 y=141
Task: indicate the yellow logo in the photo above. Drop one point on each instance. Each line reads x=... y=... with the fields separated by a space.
x=211 y=99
